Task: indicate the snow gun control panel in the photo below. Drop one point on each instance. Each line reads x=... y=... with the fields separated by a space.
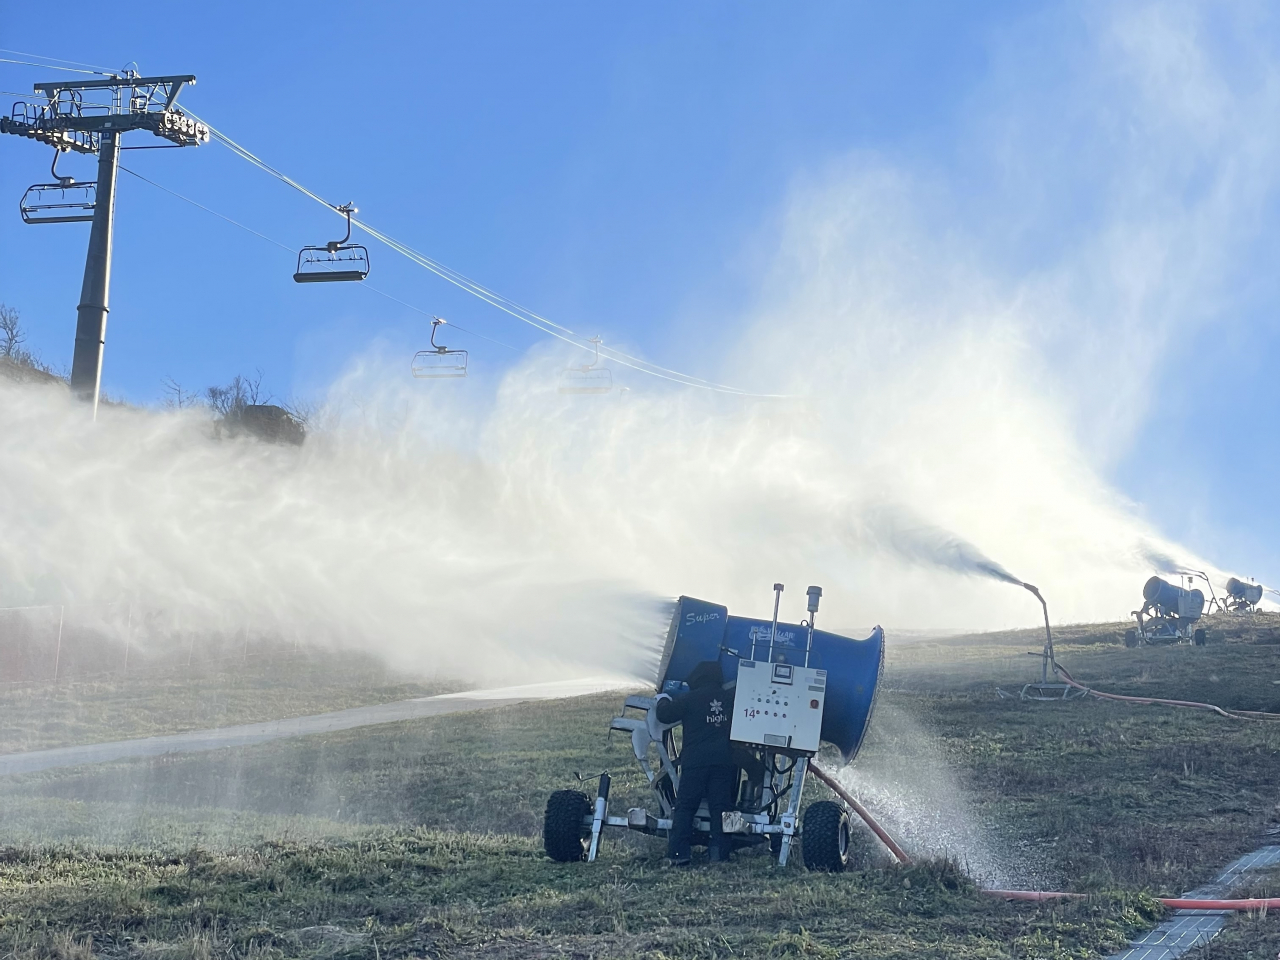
x=779 y=705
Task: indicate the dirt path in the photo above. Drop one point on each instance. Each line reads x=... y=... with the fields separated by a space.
x=196 y=741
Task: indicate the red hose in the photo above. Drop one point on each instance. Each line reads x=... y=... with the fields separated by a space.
x=1237 y=715
x=1175 y=903
x=861 y=811
x=1181 y=903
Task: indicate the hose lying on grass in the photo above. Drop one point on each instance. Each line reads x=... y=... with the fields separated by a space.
x=1230 y=715
x=1037 y=896
x=1175 y=903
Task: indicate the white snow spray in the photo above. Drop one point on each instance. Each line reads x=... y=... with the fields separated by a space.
x=942 y=343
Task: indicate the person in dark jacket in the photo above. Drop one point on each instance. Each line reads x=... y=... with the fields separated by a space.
x=707 y=770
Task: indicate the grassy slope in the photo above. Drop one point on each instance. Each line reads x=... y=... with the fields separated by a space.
x=418 y=838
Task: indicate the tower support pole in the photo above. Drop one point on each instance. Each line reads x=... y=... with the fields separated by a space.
x=91 y=318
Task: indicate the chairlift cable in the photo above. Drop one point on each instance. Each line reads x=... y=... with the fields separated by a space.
x=460 y=280
x=282 y=246
x=439 y=269
x=526 y=315
x=500 y=303
x=472 y=333
x=508 y=306
x=50 y=66
x=78 y=63
x=194 y=203
x=476 y=289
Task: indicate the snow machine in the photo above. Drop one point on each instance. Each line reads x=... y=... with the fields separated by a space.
x=795 y=687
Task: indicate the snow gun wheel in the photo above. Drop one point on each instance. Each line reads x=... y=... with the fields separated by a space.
x=1198 y=637
x=829 y=842
x=563 y=831
x=1131 y=638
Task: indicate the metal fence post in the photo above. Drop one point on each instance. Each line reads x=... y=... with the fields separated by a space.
x=57 y=656
x=128 y=637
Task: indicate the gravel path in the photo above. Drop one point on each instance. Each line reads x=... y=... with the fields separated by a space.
x=1188 y=929
x=246 y=734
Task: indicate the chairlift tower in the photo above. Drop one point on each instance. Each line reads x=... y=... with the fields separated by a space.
x=66 y=122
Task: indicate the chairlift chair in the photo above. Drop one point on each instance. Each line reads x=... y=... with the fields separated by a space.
x=62 y=202
x=588 y=378
x=336 y=260
x=439 y=362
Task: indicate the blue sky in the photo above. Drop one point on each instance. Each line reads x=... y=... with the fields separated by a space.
x=626 y=170
x=605 y=169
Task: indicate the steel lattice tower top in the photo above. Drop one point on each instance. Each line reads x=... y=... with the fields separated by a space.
x=66 y=122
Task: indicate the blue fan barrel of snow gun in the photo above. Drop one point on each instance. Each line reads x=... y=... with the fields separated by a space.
x=1248 y=592
x=1188 y=604
x=702 y=631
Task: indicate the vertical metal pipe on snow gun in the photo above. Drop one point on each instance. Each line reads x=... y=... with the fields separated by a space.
x=773 y=631
x=1047 y=689
x=814 y=594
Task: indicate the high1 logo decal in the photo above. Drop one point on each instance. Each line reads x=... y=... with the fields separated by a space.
x=786 y=638
x=716 y=716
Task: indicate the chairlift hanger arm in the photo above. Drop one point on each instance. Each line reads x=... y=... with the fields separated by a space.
x=53 y=167
x=435 y=325
x=348 y=209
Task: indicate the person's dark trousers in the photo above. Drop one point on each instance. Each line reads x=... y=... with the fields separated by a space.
x=715 y=785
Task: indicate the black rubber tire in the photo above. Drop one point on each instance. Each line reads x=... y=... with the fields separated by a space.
x=563 y=831
x=1131 y=638
x=828 y=837
x=1198 y=637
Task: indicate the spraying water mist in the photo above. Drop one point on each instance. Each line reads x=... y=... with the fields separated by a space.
x=539 y=539
x=947 y=411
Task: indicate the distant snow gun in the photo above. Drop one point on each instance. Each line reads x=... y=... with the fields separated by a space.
x=1214 y=605
x=1242 y=597
x=795 y=687
x=1168 y=614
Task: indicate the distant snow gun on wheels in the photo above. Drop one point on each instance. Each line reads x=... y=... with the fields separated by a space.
x=1169 y=614
x=795 y=688
x=1242 y=597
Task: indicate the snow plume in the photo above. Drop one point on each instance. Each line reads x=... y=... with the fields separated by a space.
x=965 y=357
x=922 y=543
